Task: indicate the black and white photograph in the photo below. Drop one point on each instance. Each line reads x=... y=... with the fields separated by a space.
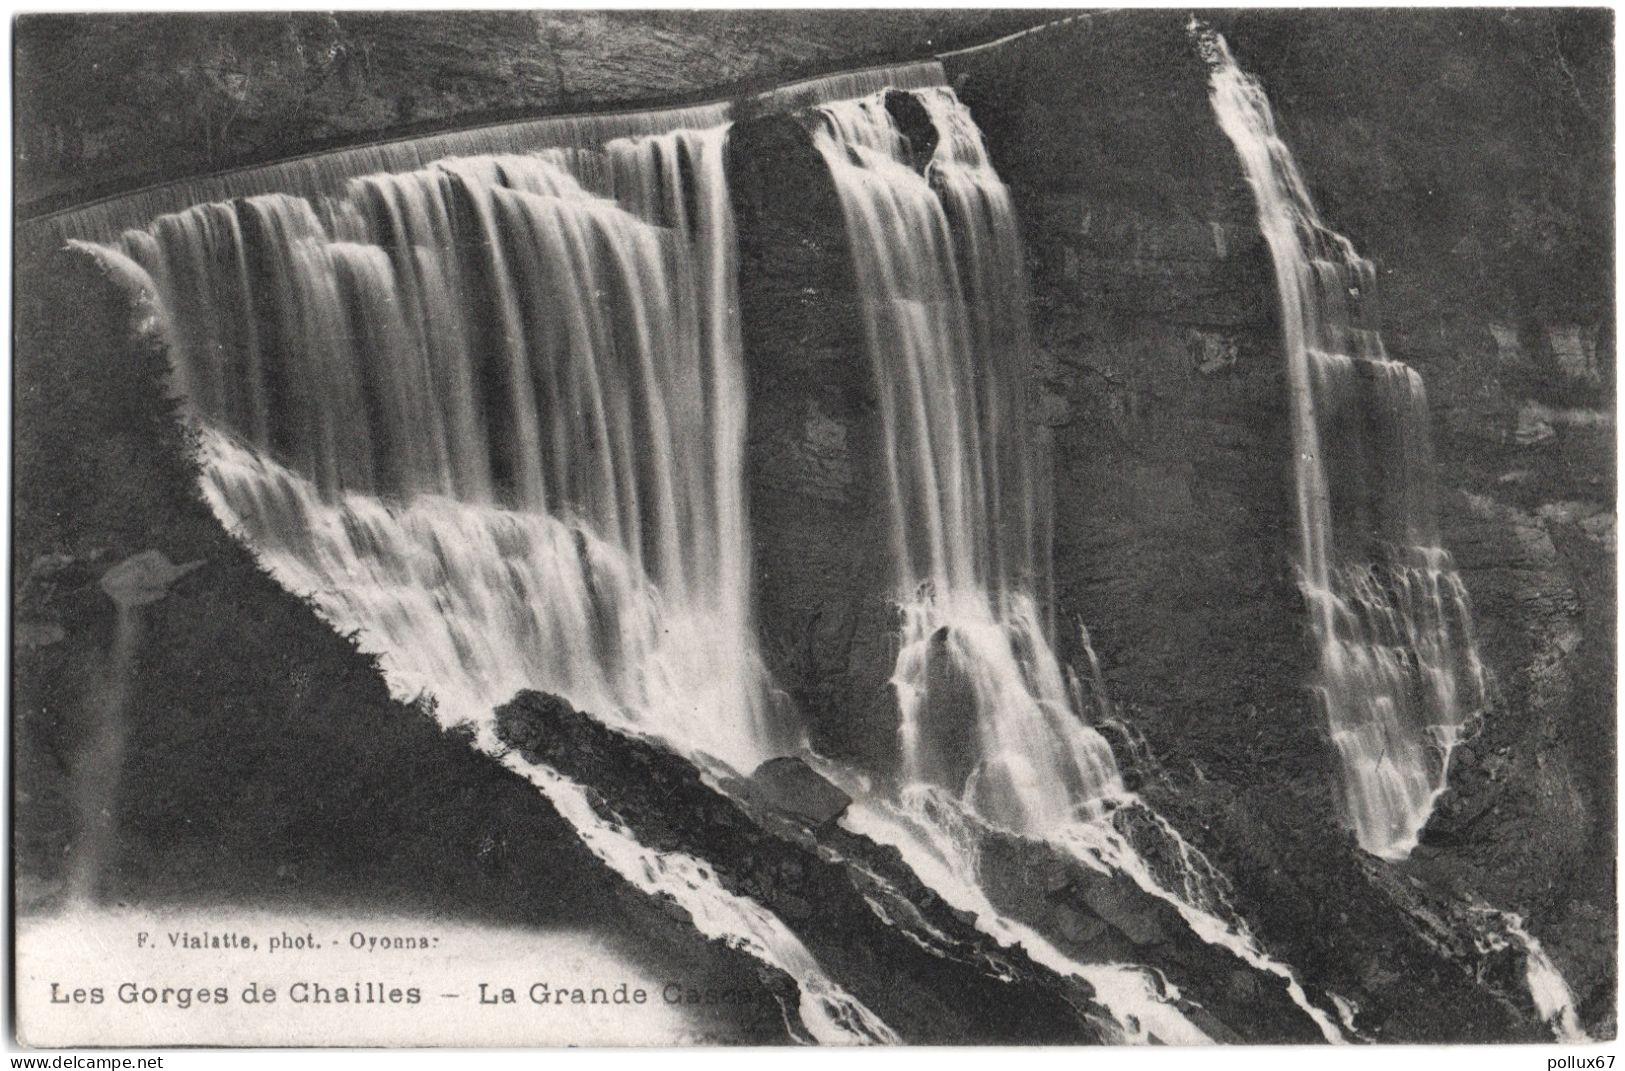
x=540 y=528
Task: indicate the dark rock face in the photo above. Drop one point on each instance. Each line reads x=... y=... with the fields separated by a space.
x=1100 y=917
x=1162 y=379
x=1154 y=307
x=881 y=935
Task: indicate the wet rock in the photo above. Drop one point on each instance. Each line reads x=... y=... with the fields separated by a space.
x=915 y=123
x=819 y=524
x=1211 y=353
x=1575 y=351
x=947 y=715
x=1124 y=911
x=924 y=969
x=791 y=785
x=1081 y=928
x=1531 y=430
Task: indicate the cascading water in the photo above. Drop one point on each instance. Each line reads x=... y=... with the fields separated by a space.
x=482 y=401
x=489 y=415
x=985 y=704
x=1400 y=678
x=992 y=726
x=493 y=420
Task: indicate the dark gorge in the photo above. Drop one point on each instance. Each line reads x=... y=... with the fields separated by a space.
x=1102 y=534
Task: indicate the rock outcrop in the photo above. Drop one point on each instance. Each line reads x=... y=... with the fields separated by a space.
x=893 y=944
x=889 y=939
x=818 y=507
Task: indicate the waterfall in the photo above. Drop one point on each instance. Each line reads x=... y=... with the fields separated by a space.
x=1400 y=678
x=1492 y=931
x=488 y=415
x=987 y=709
x=993 y=727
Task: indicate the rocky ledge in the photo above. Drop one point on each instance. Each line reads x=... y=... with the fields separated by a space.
x=877 y=932
x=919 y=964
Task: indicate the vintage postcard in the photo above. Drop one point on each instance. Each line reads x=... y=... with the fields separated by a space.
x=764 y=527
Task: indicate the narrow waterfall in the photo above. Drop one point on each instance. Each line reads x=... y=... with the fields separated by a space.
x=987 y=709
x=488 y=414
x=993 y=727
x=1400 y=678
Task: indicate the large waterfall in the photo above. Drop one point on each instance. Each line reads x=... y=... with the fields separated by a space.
x=994 y=728
x=487 y=412
x=668 y=537
x=492 y=418
x=1400 y=679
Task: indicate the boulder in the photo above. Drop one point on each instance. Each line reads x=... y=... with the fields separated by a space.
x=874 y=928
x=791 y=785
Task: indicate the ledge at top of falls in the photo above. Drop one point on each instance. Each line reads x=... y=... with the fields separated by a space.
x=366 y=108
